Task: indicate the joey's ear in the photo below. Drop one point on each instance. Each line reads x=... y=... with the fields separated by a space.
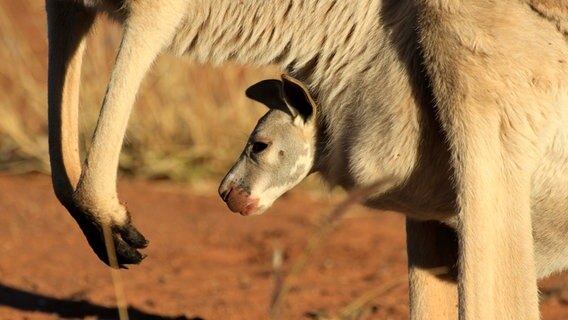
x=298 y=97
x=268 y=92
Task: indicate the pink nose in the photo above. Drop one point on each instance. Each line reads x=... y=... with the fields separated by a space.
x=238 y=200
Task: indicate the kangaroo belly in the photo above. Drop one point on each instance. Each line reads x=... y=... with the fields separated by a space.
x=428 y=194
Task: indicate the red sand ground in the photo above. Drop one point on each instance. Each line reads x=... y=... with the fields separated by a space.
x=203 y=261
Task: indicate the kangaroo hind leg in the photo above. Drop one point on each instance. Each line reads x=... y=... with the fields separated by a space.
x=148 y=29
x=68 y=26
x=432 y=270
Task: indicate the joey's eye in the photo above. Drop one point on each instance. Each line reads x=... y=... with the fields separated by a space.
x=258 y=147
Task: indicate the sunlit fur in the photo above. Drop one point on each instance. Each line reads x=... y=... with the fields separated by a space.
x=495 y=71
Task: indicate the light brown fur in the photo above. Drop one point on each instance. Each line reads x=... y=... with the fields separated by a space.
x=497 y=72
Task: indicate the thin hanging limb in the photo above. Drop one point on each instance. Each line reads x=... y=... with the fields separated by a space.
x=326 y=226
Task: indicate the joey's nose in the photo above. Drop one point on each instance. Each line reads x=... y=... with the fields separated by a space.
x=237 y=199
x=225 y=194
x=225 y=190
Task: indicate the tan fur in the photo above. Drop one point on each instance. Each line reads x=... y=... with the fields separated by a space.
x=497 y=72
x=554 y=10
x=501 y=116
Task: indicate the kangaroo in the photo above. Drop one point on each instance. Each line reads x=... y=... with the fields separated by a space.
x=292 y=141
x=488 y=78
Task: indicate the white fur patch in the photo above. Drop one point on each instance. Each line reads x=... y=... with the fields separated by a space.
x=267 y=193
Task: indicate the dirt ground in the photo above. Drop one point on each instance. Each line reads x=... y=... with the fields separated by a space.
x=203 y=261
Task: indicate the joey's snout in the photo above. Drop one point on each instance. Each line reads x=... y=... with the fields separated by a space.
x=225 y=190
x=237 y=198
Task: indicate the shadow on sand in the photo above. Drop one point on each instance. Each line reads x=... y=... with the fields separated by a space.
x=69 y=308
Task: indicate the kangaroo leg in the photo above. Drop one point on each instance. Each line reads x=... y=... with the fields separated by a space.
x=497 y=76
x=68 y=25
x=147 y=31
x=432 y=270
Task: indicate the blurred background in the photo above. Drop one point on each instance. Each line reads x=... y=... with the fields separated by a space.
x=189 y=124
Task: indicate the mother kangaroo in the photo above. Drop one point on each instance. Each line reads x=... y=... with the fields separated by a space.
x=490 y=79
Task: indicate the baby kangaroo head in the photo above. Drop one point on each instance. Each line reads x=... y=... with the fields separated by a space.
x=280 y=151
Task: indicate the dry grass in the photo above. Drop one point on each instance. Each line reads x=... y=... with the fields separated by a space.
x=360 y=306
x=190 y=121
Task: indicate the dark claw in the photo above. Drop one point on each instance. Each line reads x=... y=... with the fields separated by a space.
x=126 y=254
x=126 y=239
x=132 y=236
